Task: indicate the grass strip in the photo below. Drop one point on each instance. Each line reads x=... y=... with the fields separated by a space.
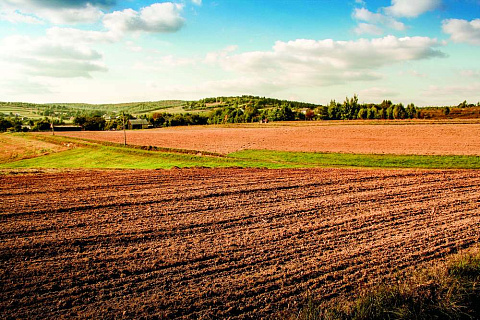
x=109 y=157
x=311 y=159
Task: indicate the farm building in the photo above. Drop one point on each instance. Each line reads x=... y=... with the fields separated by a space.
x=67 y=128
x=137 y=124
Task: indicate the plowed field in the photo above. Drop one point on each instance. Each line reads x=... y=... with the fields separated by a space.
x=400 y=138
x=219 y=243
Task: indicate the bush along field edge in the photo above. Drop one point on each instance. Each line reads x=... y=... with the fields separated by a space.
x=447 y=290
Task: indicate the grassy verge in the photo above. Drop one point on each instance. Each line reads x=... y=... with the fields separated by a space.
x=119 y=158
x=91 y=154
x=310 y=159
x=450 y=290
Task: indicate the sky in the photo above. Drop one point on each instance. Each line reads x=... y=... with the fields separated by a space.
x=425 y=52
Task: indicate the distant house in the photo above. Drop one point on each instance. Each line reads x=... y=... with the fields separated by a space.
x=67 y=128
x=137 y=124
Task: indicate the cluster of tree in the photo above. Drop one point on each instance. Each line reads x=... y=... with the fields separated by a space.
x=229 y=114
x=10 y=124
x=90 y=123
x=163 y=119
x=252 y=113
x=350 y=109
x=16 y=124
x=464 y=104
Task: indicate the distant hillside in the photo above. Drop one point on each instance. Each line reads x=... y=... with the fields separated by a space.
x=67 y=110
x=243 y=101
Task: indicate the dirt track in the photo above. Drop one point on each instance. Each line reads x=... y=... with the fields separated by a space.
x=219 y=243
x=399 y=138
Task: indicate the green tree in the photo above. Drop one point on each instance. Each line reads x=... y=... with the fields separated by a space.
x=42 y=125
x=322 y=112
x=371 y=113
x=411 y=111
x=94 y=123
x=362 y=114
x=399 y=111
x=349 y=109
x=333 y=110
x=5 y=124
x=389 y=113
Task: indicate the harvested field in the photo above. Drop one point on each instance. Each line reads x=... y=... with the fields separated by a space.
x=217 y=243
x=398 y=138
x=16 y=147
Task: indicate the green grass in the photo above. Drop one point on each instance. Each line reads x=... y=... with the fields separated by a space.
x=311 y=159
x=114 y=157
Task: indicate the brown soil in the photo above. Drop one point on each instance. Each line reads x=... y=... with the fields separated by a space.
x=218 y=243
x=406 y=138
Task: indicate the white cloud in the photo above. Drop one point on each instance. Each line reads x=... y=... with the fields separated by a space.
x=326 y=62
x=59 y=3
x=411 y=8
x=72 y=35
x=463 y=31
x=131 y=46
x=197 y=2
x=23 y=87
x=367 y=28
x=159 y=17
x=33 y=12
x=363 y=14
x=214 y=57
x=339 y=55
x=44 y=57
x=87 y=14
x=13 y=16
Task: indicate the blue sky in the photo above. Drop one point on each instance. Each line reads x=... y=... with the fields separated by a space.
x=100 y=51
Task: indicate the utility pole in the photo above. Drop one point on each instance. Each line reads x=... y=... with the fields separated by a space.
x=124 y=132
x=53 y=130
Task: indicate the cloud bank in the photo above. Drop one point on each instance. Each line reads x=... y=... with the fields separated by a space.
x=44 y=57
x=387 y=17
x=326 y=62
x=463 y=31
x=66 y=51
x=411 y=8
x=159 y=17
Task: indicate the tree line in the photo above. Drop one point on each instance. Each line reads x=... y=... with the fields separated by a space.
x=223 y=110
